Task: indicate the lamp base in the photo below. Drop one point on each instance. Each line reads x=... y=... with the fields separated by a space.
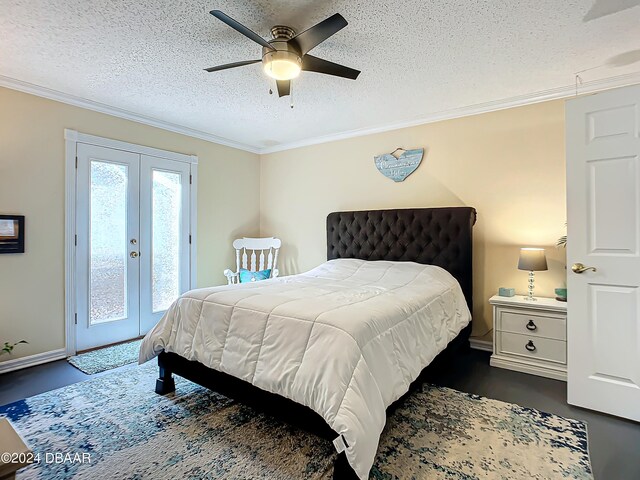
x=530 y=297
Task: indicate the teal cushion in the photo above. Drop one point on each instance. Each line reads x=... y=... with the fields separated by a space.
x=247 y=276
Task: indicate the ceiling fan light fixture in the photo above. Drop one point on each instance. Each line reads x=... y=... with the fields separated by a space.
x=282 y=65
x=287 y=53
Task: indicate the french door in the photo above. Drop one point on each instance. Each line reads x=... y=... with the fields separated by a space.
x=132 y=243
x=164 y=236
x=603 y=251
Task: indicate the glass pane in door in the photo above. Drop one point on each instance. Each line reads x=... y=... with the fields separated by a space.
x=165 y=226
x=108 y=238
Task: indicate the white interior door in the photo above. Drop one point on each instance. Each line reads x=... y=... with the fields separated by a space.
x=164 y=236
x=133 y=242
x=603 y=200
x=107 y=222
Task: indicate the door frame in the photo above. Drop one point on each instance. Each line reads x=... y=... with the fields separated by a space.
x=71 y=140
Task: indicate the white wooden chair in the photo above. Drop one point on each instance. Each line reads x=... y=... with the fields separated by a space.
x=247 y=256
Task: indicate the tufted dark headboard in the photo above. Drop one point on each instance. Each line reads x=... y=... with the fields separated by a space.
x=432 y=236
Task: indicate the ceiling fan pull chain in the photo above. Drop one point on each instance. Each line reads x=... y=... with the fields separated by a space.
x=291 y=92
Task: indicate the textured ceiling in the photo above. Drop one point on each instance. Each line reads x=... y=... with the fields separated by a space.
x=417 y=57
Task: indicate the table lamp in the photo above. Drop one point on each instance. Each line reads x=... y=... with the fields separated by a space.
x=532 y=260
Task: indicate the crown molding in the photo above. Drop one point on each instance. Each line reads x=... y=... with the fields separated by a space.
x=44 y=92
x=512 y=102
x=503 y=104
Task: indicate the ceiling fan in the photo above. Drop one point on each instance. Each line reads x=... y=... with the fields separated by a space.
x=286 y=54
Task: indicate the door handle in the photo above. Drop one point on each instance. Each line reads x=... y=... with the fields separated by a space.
x=580 y=268
x=134 y=254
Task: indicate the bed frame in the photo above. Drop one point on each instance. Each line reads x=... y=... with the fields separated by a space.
x=433 y=236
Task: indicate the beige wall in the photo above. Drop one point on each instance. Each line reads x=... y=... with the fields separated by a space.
x=509 y=165
x=32 y=184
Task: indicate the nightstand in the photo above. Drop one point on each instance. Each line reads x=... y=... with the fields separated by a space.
x=530 y=337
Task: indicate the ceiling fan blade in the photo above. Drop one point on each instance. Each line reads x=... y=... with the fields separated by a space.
x=284 y=87
x=318 y=65
x=241 y=28
x=319 y=33
x=231 y=65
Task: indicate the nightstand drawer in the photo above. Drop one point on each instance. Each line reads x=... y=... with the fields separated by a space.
x=532 y=325
x=532 y=347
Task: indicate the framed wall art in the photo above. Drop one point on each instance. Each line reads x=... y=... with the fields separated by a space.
x=11 y=233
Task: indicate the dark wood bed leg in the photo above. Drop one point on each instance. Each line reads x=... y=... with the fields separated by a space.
x=165 y=382
x=342 y=470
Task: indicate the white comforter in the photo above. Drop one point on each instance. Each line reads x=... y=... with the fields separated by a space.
x=345 y=339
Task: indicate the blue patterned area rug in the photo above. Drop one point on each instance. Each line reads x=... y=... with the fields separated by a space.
x=116 y=427
x=97 y=361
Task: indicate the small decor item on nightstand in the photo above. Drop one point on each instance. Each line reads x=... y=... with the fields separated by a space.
x=532 y=260
x=506 y=292
x=399 y=164
x=561 y=294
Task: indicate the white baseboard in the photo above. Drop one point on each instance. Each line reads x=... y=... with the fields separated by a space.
x=480 y=344
x=32 y=360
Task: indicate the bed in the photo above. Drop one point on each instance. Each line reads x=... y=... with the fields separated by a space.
x=332 y=349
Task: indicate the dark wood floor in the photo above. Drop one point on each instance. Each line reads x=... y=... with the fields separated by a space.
x=614 y=444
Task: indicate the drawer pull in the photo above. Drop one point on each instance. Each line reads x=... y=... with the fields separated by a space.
x=530 y=346
x=532 y=326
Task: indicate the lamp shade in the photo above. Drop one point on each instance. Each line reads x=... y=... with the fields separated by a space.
x=532 y=259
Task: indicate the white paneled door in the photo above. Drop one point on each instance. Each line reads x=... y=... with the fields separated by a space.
x=603 y=251
x=132 y=244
